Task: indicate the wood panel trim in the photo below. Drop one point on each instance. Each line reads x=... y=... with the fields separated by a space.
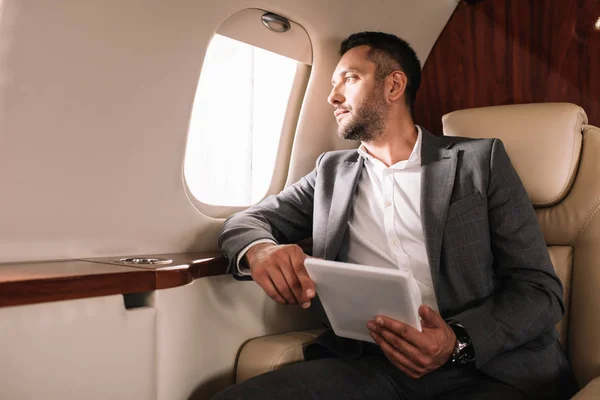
x=512 y=52
x=39 y=282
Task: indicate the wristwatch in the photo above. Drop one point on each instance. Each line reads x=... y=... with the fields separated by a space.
x=463 y=349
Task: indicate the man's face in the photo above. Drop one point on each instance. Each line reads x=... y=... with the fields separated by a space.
x=357 y=97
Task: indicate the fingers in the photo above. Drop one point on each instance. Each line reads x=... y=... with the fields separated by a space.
x=430 y=318
x=301 y=285
x=436 y=341
x=272 y=281
x=271 y=291
x=417 y=352
x=406 y=331
x=397 y=358
x=297 y=258
x=280 y=271
x=418 y=359
x=283 y=285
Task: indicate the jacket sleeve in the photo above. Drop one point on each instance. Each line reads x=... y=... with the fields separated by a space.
x=283 y=218
x=530 y=301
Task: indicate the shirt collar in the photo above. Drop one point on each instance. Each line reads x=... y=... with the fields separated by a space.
x=415 y=155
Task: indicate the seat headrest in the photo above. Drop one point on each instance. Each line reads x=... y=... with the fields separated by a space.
x=543 y=142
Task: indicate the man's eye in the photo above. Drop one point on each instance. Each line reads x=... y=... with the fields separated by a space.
x=351 y=79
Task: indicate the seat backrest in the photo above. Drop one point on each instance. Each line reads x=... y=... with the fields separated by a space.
x=557 y=156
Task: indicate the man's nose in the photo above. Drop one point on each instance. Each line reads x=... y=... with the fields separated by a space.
x=335 y=97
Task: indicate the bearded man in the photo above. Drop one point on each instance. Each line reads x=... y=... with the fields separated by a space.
x=450 y=210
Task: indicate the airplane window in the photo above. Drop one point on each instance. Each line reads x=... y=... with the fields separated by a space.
x=236 y=122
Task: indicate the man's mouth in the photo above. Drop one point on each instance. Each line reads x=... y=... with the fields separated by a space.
x=337 y=113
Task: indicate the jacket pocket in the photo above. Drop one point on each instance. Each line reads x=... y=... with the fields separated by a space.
x=463 y=205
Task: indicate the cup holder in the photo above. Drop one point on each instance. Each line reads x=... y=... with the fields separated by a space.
x=144 y=261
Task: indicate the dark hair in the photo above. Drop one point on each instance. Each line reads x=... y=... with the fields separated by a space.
x=389 y=53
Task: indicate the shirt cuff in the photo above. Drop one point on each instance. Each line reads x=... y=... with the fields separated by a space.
x=243 y=270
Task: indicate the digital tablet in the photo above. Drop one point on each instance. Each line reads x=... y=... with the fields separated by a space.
x=354 y=294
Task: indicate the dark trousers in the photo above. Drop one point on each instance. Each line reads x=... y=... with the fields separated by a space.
x=370 y=376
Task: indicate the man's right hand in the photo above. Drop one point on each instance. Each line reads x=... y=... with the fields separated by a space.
x=280 y=271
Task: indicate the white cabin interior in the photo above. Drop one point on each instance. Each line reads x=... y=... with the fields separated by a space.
x=96 y=119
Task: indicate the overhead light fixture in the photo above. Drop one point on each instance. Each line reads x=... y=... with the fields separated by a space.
x=275 y=23
x=597 y=24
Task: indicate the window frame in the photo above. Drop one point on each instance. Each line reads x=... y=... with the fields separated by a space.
x=235 y=28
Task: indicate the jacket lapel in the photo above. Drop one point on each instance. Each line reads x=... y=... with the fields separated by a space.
x=343 y=198
x=438 y=170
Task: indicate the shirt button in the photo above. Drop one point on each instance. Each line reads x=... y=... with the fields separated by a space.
x=395 y=242
x=387 y=203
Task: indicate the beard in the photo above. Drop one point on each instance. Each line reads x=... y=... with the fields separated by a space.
x=369 y=121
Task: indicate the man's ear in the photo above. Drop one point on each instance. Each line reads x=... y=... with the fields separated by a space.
x=397 y=88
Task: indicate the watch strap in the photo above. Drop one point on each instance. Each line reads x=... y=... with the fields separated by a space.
x=463 y=350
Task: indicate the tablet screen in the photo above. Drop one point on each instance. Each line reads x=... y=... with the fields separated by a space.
x=354 y=294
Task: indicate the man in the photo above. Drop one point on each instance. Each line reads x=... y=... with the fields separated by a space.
x=451 y=210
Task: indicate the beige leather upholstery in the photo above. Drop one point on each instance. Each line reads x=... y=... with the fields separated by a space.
x=562 y=259
x=543 y=141
x=267 y=353
x=590 y=392
x=556 y=154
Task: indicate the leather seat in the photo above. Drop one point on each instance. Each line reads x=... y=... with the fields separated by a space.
x=557 y=155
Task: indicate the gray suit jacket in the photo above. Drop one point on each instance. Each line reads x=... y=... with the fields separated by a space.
x=489 y=263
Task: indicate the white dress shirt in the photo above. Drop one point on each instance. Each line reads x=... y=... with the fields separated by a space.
x=384 y=226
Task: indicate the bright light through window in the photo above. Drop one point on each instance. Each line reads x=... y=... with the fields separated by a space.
x=236 y=122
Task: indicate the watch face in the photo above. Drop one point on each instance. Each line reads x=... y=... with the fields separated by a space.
x=464 y=358
x=463 y=351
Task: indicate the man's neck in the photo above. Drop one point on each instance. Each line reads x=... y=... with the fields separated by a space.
x=395 y=145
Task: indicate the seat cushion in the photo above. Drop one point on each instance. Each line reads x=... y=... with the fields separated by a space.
x=590 y=391
x=267 y=353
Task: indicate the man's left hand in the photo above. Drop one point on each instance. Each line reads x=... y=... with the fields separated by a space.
x=413 y=352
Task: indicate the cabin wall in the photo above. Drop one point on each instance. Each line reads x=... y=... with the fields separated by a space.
x=95 y=103
x=181 y=343
x=79 y=349
x=511 y=52
x=202 y=326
